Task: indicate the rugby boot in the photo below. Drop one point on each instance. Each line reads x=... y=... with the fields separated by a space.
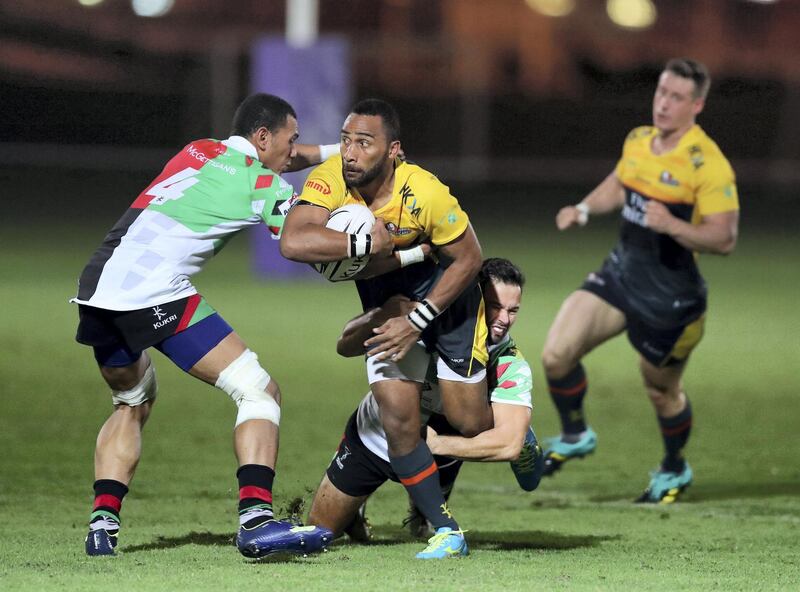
x=281 y=536
x=101 y=542
x=559 y=451
x=529 y=466
x=417 y=524
x=446 y=543
x=666 y=486
x=360 y=530
x=102 y=537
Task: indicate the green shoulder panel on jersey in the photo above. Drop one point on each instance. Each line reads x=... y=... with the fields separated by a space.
x=229 y=187
x=514 y=382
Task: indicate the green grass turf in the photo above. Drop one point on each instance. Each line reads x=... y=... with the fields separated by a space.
x=738 y=528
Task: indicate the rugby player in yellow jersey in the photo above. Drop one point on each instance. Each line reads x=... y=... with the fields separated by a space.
x=412 y=208
x=678 y=197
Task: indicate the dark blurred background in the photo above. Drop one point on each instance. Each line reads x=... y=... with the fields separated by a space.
x=514 y=103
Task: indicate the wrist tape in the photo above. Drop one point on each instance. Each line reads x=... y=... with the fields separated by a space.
x=423 y=315
x=359 y=245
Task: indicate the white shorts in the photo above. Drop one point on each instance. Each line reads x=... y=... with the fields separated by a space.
x=414 y=367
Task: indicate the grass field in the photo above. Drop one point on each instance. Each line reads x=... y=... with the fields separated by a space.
x=738 y=528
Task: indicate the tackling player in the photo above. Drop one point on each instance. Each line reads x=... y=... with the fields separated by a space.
x=448 y=316
x=362 y=463
x=678 y=197
x=136 y=293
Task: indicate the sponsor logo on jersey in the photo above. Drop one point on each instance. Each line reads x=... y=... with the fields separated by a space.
x=696 y=156
x=633 y=211
x=198 y=155
x=320 y=186
x=283 y=207
x=397 y=231
x=667 y=178
x=409 y=200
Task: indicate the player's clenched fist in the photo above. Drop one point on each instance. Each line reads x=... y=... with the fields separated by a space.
x=382 y=243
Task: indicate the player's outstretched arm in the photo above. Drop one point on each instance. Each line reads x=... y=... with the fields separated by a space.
x=606 y=197
x=501 y=443
x=310 y=155
x=358 y=329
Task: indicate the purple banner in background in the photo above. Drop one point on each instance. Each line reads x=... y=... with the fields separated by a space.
x=316 y=82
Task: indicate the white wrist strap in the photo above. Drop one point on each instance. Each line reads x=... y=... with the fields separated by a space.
x=423 y=315
x=327 y=150
x=583 y=213
x=411 y=256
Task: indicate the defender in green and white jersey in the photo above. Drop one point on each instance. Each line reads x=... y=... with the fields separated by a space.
x=361 y=464
x=136 y=293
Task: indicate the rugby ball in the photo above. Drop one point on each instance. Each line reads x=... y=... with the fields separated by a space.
x=352 y=219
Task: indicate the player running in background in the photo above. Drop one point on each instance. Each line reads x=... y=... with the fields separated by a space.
x=136 y=293
x=362 y=464
x=678 y=196
x=414 y=207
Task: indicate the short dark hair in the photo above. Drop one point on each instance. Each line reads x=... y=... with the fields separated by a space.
x=502 y=271
x=694 y=71
x=261 y=110
x=387 y=113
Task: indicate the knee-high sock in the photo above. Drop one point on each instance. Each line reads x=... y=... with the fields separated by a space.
x=675 y=431
x=418 y=473
x=567 y=394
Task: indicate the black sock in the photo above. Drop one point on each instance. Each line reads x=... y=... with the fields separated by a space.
x=448 y=471
x=108 y=495
x=675 y=432
x=567 y=394
x=418 y=473
x=255 y=494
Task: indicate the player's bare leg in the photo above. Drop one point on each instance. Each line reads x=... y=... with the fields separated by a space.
x=333 y=508
x=674 y=413
x=583 y=322
x=466 y=406
x=118 y=449
x=119 y=443
x=399 y=407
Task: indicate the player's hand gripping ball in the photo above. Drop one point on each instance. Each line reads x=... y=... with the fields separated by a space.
x=352 y=219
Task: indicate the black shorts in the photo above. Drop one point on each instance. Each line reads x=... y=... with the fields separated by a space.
x=184 y=331
x=661 y=346
x=459 y=334
x=357 y=471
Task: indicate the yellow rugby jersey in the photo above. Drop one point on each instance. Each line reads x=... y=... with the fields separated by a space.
x=695 y=177
x=421 y=207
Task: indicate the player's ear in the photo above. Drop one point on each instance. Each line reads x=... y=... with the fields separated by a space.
x=262 y=138
x=395 y=150
x=699 y=104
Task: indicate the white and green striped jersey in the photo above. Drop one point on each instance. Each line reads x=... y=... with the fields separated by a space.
x=206 y=193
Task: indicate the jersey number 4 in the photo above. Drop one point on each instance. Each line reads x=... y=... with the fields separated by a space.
x=173 y=187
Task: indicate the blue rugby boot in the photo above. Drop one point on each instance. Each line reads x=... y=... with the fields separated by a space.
x=560 y=451
x=281 y=536
x=444 y=544
x=528 y=468
x=101 y=542
x=666 y=486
